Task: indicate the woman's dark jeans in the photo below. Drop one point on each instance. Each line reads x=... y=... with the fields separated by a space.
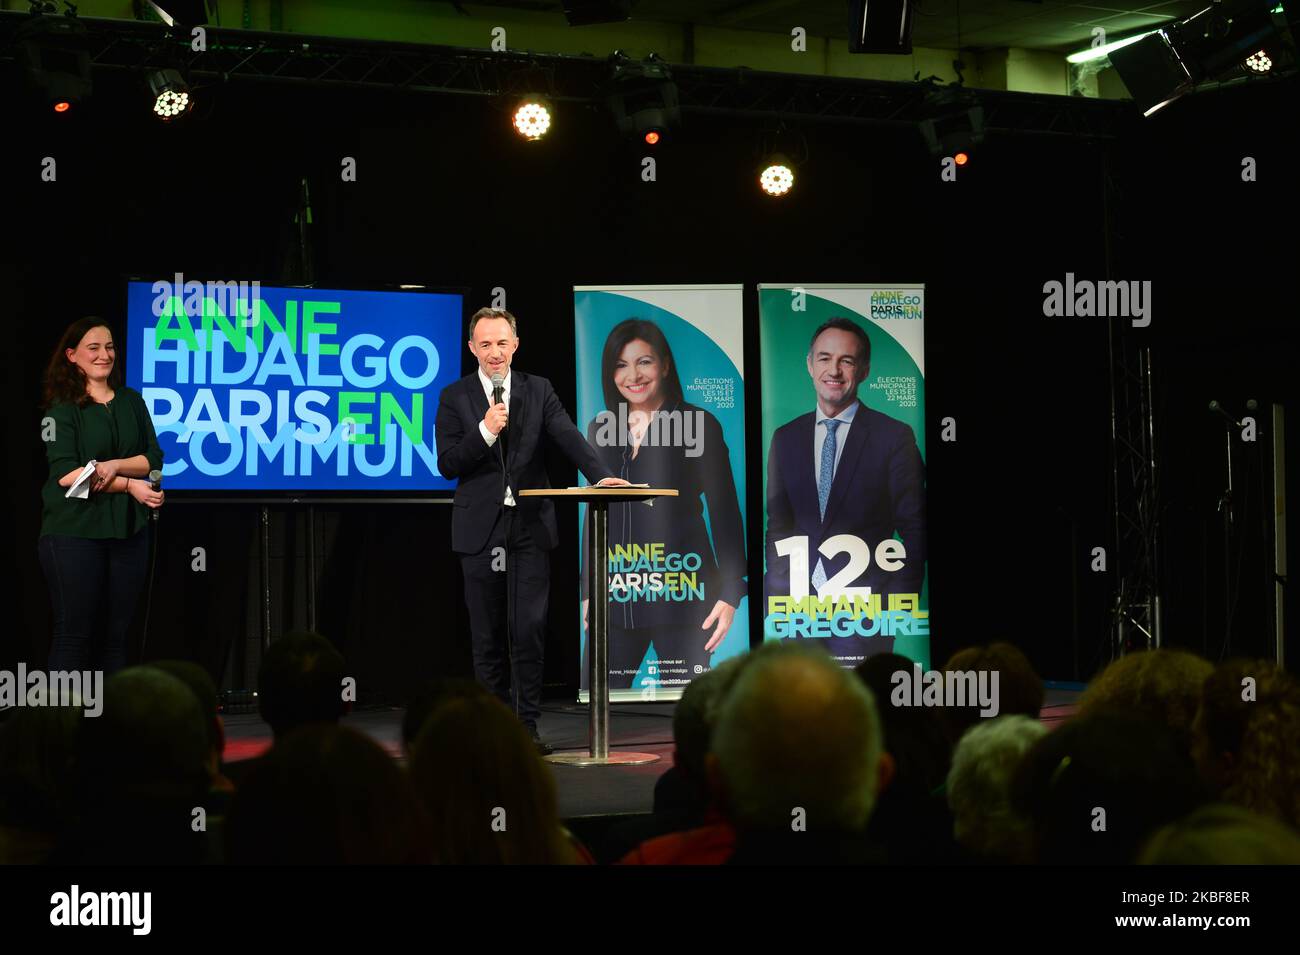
x=88 y=577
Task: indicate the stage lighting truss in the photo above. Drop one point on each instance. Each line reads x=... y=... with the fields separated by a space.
x=171 y=94
x=276 y=58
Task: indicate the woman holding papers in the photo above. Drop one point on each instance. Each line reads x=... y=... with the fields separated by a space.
x=677 y=579
x=101 y=446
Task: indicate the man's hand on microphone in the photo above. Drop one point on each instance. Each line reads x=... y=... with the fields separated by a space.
x=496 y=417
x=613 y=482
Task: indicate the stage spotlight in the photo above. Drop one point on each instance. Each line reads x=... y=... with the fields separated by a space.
x=880 y=26
x=776 y=178
x=955 y=124
x=961 y=158
x=532 y=118
x=55 y=59
x=171 y=95
x=1153 y=71
x=1259 y=62
x=581 y=12
x=1220 y=40
x=643 y=98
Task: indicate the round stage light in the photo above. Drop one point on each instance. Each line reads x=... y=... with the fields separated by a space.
x=776 y=179
x=171 y=95
x=652 y=137
x=170 y=104
x=532 y=119
x=62 y=106
x=1259 y=62
x=961 y=159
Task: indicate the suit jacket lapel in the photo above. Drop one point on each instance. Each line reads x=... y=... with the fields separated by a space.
x=478 y=401
x=518 y=410
x=802 y=486
x=857 y=440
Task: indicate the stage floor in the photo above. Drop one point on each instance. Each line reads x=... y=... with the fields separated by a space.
x=594 y=791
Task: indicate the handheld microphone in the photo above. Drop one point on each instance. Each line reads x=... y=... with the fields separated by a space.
x=155 y=484
x=498 y=387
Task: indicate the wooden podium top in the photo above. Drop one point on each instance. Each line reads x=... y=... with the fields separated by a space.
x=592 y=491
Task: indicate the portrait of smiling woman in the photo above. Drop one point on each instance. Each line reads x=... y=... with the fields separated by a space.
x=94 y=549
x=666 y=442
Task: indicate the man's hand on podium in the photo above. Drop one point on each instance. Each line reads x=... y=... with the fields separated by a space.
x=613 y=482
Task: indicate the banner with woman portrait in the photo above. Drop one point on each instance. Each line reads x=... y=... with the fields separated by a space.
x=843 y=396
x=661 y=397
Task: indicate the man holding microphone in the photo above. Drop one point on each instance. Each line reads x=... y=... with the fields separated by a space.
x=490 y=432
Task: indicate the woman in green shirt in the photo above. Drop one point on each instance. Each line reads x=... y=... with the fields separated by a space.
x=94 y=549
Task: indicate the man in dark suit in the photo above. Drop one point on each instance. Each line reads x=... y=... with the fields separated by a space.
x=494 y=449
x=845 y=469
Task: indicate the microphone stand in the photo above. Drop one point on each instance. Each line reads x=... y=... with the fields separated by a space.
x=1226 y=507
x=155 y=483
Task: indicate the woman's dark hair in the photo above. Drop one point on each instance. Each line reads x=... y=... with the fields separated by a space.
x=489 y=797
x=64 y=381
x=630 y=330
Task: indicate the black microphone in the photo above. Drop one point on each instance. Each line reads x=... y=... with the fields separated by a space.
x=155 y=484
x=1215 y=406
x=498 y=389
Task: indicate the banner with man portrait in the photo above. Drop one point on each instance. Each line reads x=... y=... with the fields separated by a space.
x=843 y=398
x=661 y=397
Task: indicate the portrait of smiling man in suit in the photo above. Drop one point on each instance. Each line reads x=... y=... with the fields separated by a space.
x=844 y=468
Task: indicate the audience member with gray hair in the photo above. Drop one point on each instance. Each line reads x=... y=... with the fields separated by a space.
x=979 y=789
x=798 y=759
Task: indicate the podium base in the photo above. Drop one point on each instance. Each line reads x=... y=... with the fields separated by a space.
x=613 y=759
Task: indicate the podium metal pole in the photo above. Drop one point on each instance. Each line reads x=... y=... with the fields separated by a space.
x=598 y=658
x=598 y=632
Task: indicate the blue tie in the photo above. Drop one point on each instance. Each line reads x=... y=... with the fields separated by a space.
x=825 y=475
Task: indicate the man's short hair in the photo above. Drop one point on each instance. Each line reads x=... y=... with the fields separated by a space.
x=799 y=732
x=492 y=313
x=844 y=325
x=300 y=682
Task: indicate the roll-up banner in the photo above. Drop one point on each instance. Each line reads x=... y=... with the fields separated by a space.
x=661 y=397
x=843 y=397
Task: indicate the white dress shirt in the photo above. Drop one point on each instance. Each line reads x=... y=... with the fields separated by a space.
x=488 y=436
x=845 y=418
